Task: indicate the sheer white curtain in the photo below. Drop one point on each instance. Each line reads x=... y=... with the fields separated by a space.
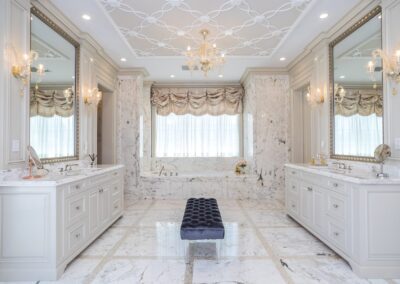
x=197 y=136
x=358 y=135
x=52 y=136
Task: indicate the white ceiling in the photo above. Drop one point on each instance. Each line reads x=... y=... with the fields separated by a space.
x=253 y=33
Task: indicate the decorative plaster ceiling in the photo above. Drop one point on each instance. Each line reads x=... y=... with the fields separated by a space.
x=238 y=27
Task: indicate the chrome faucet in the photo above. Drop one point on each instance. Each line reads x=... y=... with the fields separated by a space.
x=68 y=167
x=341 y=165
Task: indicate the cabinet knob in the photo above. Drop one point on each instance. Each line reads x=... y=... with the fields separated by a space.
x=293 y=173
x=116 y=206
x=293 y=187
x=78 y=207
x=77 y=186
x=77 y=236
x=293 y=206
x=335 y=184
x=336 y=234
x=335 y=206
x=101 y=190
x=309 y=188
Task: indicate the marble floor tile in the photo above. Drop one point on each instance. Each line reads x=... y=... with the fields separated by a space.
x=169 y=204
x=234 y=217
x=102 y=245
x=271 y=219
x=129 y=218
x=137 y=204
x=78 y=271
x=154 y=217
x=163 y=240
x=294 y=241
x=262 y=204
x=254 y=271
x=324 y=270
x=141 y=271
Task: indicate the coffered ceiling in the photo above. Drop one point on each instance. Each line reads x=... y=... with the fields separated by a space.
x=238 y=27
x=154 y=33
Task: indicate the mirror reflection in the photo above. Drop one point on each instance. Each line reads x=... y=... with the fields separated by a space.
x=358 y=93
x=52 y=93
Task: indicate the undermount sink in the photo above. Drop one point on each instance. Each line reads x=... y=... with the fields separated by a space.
x=77 y=172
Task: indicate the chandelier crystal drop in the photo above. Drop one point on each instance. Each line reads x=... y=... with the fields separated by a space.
x=205 y=57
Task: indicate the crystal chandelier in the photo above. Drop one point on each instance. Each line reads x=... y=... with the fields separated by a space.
x=205 y=57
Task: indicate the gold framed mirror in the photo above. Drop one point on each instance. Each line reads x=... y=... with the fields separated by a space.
x=356 y=90
x=54 y=91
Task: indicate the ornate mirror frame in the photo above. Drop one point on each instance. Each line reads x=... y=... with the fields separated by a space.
x=374 y=12
x=36 y=12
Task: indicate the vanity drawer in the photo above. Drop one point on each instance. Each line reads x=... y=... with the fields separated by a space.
x=116 y=188
x=106 y=178
x=292 y=204
x=336 y=206
x=293 y=173
x=336 y=185
x=337 y=234
x=76 y=187
x=76 y=208
x=75 y=237
x=116 y=205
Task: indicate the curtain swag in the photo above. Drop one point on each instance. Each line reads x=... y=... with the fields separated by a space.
x=359 y=102
x=198 y=101
x=50 y=102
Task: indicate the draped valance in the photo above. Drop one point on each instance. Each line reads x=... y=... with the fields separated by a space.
x=51 y=102
x=197 y=101
x=362 y=102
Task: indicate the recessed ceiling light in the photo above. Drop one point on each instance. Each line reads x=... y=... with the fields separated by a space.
x=342 y=77
x=172 y=76
x=247 y=43
x=282 y=58
x=204 y=19
x=86 y=17
x=91 y=59
x=151 y=19
x=161 y=44
x=123 y=59
x=220 y=75
x=323 y=16
x=259 y=18
x=380 y=17
x=180 y=33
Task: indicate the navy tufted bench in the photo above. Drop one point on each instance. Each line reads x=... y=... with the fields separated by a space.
x=202 y=220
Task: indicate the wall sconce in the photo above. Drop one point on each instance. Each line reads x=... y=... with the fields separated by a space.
x=391 y=65
x=22 y=70
x=92 y=96
x=315 y=97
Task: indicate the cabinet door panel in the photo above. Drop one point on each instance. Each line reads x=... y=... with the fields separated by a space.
x=320 y=219
x=306 y=203
x=94 y=207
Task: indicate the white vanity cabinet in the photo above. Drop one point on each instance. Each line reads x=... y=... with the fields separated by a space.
x=357 y=217
x=45 y=224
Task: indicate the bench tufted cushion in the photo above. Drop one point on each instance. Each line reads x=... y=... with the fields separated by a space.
x=202 y=220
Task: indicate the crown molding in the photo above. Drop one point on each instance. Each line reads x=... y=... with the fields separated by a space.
x=133 y=72
x=262 y=71
x=196 y=84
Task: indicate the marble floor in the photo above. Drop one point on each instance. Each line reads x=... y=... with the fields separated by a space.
x=262 y=245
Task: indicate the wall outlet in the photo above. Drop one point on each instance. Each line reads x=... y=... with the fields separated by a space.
x=397 y=143
x=15 y=145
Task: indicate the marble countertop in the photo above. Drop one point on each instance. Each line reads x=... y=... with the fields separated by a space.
x=354 y=176
x=14 y=178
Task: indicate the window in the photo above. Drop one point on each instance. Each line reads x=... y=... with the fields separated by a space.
x=197 y=136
